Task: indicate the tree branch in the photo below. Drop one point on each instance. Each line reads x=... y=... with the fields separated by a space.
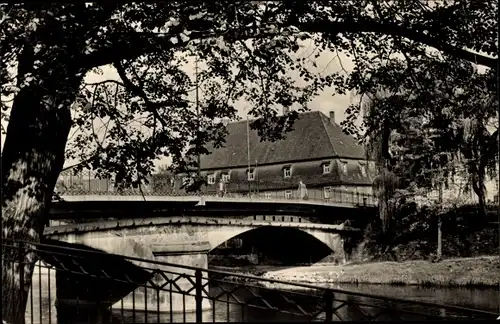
x=150 y=106
x=133 y=45
x=104 y=82
x=368 y=25
x=80 y=163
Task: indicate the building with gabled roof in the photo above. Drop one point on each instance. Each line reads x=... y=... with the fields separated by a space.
x=316 y=152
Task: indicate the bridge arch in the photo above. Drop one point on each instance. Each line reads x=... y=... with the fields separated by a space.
x=286 y=241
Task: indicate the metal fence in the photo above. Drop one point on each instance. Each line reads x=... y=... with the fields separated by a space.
x=86 y=183
x=335 y=196
x=95 y=287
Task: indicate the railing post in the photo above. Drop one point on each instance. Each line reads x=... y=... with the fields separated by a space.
x=328 y=306
x=21 y=267
x=198 y=297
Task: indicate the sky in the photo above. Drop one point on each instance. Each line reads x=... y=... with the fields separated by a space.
x=325 y=102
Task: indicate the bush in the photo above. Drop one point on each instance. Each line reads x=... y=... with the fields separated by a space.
x=412 y=235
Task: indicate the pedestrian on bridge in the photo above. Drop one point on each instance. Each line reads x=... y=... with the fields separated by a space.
x=222 y=188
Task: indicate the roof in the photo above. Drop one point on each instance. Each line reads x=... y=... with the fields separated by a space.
x=313 y=136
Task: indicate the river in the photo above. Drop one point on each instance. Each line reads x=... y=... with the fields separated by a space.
x=483 y=299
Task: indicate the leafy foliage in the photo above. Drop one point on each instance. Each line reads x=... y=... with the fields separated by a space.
x=414 y=234
x=425 y=125
x=246 y=48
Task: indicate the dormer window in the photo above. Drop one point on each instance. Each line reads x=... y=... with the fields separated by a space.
x=326 y=168
x=344 y=167
x=287 y=172
x=211 y=179
x=251 y=175
x=226 y=177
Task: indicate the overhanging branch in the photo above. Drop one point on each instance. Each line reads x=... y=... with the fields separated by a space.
x=138 y=91
x=365 y=25
x=133 y=45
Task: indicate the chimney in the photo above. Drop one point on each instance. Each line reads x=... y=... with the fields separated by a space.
x=332 y=116
x=286 y=110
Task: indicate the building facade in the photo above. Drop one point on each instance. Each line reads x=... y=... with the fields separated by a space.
x=458 y=190
x=316 y=152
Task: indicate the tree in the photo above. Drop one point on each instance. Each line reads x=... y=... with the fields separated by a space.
x=379 y=127
x=480 y=147
x=422 y=124
x=247 y=48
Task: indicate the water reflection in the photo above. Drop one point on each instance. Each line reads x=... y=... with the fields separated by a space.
x=487 y=299
x=42 y=308
x=41 y=298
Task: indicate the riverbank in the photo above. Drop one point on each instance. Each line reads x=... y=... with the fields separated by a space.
x=459 y=272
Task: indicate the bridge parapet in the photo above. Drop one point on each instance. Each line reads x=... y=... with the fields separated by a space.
x=339 y=198
x=86 y=183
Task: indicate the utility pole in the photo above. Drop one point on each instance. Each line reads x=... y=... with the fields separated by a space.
x=197 y=121
x=199 y=190
x=255 y=178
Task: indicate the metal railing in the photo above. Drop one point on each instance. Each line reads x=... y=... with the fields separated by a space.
x=336 y=196
x=161 y=185
x=95 y=287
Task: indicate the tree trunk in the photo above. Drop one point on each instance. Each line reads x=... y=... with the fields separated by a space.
x=480 y=190
x=439 y=252
x=32 y=158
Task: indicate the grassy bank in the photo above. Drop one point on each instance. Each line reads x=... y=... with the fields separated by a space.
x=478 y=271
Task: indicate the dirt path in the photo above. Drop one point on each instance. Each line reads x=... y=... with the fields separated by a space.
x=479 y=271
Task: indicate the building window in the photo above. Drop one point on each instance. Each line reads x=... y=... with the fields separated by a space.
x=211 y=179
x=288 y=194
x=225 y=177
x=326 y=168
x=251 y=175
x=344 y=167
x=287 y=172
x=267 y=195
x=327 y=192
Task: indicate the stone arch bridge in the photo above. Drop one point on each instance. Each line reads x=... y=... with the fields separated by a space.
x=176 y=238
x=179 y=231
